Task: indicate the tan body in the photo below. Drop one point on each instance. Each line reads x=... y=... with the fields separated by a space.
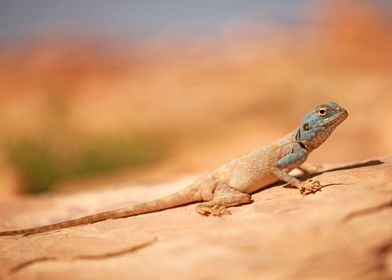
x=249 y=172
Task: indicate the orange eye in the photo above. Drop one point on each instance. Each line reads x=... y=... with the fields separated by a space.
x=306 y=127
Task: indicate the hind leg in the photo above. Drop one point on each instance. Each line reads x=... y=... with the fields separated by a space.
x=223 y=197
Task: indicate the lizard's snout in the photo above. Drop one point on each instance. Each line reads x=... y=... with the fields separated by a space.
x=344 y=112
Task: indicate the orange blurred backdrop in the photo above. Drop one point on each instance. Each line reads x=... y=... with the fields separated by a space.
x=83 y=107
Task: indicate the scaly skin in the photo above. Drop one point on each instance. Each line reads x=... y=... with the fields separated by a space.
x=232 y=183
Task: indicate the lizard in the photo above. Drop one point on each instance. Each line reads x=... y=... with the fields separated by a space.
x=233 y=182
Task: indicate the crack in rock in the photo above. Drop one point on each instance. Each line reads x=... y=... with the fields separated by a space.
x=382 y=252
x=30 y=262
x=132 y=249
x=117 y=253
x=367 y=211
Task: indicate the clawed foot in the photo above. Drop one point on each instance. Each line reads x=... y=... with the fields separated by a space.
x=309 y=186
x=215 y=210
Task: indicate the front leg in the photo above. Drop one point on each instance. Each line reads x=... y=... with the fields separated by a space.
x=289 y=162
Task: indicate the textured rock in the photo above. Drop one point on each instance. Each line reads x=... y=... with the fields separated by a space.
x=343 y=232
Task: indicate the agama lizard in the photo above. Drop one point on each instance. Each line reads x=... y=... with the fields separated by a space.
x=232 y=183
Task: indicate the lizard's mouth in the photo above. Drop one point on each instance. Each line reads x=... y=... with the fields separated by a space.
x=337 y=119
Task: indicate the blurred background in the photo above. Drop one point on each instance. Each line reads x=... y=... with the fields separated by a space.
x=98 y=93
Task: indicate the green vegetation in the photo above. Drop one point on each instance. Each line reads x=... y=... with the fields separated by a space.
x=48 y=159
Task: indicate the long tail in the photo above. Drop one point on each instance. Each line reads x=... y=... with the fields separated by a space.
x=183 y=197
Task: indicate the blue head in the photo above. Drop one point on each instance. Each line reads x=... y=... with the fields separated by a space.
x=318 y=124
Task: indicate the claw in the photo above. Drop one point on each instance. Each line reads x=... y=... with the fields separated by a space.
x=215 y=210
x=309 y=186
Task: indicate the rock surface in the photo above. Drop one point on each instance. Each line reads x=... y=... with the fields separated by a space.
x=342 y=232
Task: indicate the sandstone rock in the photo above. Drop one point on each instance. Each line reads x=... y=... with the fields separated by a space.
x=342 y=232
